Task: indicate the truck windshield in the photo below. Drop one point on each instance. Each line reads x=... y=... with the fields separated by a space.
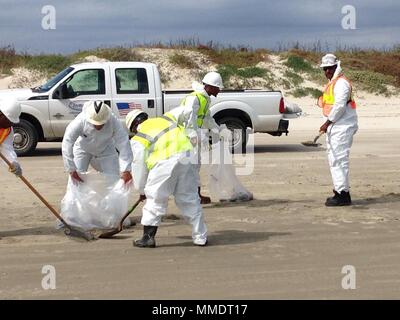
x=53 y=81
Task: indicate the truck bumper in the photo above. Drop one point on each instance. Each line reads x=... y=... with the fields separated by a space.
x=282 y=128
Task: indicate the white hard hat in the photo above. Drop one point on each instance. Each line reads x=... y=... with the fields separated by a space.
x=328 y=60
x=10 y=108
x=213 y=79
x=131 y=116
x=97 y=112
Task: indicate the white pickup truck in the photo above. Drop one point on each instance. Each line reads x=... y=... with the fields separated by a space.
x=48 y=109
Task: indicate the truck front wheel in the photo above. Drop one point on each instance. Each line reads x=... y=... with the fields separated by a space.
x=25 y=138
x=239 y=133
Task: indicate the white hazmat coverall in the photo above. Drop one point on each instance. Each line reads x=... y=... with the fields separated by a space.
x=186 y=116
x=83 y=144
x=172 y=176
x=339 y=138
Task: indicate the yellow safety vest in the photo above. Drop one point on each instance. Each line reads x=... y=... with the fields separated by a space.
x=204 y=106
x=327 y=100
x=4 y=134
x=162 y=138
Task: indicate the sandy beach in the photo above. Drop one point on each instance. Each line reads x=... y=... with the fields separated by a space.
x=283 y=244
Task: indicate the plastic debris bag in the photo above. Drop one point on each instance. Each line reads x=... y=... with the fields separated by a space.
x=223 y=183
x=99 y=202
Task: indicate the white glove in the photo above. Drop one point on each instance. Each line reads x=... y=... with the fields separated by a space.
x=225 y=133
x=16 y=169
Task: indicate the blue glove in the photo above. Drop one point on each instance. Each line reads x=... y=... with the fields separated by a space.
x=16 y=169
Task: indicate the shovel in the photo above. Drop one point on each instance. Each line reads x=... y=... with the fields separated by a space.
x=313 y=143
x=68 y=230
x=118 y=229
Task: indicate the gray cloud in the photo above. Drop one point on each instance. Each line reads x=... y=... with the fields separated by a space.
x=258 y=23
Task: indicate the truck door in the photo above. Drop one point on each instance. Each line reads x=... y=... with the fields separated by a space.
x=131 y=90
x=68 y=98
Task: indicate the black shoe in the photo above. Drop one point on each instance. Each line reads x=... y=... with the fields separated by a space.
x=203 y=199
x=346 y=196
x=147 y=240
x=340 y=199
x=336 y=195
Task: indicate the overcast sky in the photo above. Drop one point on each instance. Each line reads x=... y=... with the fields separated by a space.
x=87 y=24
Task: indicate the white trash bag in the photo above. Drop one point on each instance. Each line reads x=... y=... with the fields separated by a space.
x=223 y=183
x=99 y=202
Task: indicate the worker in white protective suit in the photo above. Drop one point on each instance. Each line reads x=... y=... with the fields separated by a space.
x=162 y=167
x=341 y=123
x=94 y=137
x=10 y=111
x=194 y=115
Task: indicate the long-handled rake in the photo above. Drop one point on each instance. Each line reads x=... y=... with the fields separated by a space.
x=118 y=229
x=68 y=230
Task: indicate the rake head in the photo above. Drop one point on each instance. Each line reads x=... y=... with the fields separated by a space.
x=311 y=144
x=88 y=235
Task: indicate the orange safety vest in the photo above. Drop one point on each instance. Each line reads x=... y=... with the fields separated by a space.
x=4 y=134
x=327 y=100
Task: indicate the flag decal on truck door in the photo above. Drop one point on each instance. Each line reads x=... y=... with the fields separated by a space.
x=124 y=107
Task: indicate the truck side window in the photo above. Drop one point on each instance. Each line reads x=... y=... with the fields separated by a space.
x=86 y=82
x=132 y=80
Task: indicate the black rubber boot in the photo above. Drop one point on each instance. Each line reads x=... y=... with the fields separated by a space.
x=340 y=199
x=335 y=196
x=147 y=240
x=203 y=199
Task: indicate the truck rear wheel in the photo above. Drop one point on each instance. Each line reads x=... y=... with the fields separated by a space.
x=239 y=133
x=25 y=138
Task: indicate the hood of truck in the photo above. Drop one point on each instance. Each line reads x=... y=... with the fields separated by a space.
x=19 y=94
